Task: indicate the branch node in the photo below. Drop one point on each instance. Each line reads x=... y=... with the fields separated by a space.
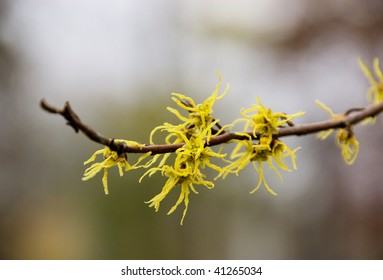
x=118 y=147
x=353 y=110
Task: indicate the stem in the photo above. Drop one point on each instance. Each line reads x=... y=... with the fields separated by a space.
x=353 y=117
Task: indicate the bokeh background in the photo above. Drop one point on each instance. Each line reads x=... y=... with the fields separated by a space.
x=117 y=63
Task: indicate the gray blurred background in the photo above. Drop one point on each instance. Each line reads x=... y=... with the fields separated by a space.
x=117 y=63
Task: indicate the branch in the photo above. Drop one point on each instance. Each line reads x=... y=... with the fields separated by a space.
x=75 y=122
x=352 y=117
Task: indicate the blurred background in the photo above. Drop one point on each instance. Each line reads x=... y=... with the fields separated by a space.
x=117 y=63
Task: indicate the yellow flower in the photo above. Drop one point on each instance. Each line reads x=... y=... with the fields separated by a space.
x=193 y=156
x=178 y=176
x=267 y=148
x=258 y=153
x=195 y=132
x=375 y=92
x=199 y=115
x=111 y=159
x=264 y=122
x=347 y=141
x=345 y=138
x=196 y=153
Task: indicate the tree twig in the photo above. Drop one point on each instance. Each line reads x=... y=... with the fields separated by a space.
x=351 y=118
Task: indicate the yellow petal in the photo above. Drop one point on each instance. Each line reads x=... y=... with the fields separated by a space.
x=105 y=181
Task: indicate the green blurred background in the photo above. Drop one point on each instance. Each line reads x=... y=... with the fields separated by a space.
x=117 y=63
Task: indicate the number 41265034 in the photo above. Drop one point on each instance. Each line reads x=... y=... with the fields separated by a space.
x=238 y=270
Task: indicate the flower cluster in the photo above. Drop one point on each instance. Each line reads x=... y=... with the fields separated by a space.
x=186 y=168
x=197 y=131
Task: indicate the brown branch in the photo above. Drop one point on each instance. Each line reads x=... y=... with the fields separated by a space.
x=354 y=116
x=75 y=122
x=350 y=119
